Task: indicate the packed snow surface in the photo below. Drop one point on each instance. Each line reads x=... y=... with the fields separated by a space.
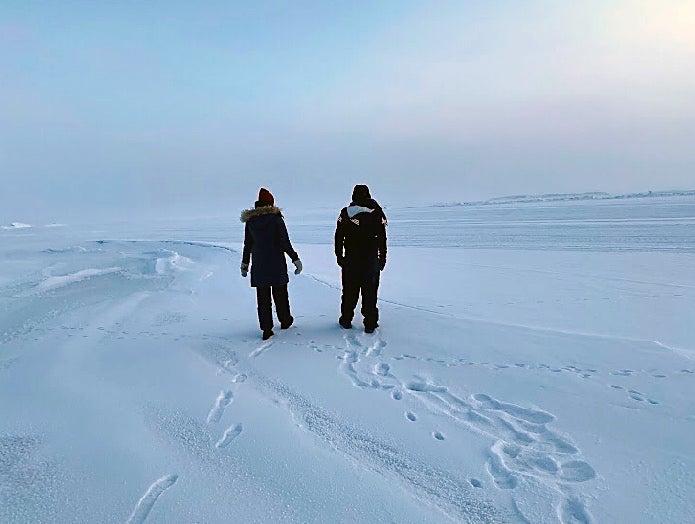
x=535 y=362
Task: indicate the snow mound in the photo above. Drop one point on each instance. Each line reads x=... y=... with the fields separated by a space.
x=175 y=262
x=17 y=225
x=69 y=249
x=65 y=280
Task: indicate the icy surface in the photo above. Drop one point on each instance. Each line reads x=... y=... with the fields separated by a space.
x=534 y=363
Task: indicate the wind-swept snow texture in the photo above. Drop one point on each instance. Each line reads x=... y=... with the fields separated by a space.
x=530 y=366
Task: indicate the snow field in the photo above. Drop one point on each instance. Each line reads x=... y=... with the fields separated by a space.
x=502 y=386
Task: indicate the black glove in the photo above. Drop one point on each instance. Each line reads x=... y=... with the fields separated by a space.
x=382 y=263
x=340 y=260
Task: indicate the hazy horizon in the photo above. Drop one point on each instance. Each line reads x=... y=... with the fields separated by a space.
x=302 y=211
x=138 y=110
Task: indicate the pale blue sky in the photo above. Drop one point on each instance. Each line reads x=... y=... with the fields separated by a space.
x=136 y=107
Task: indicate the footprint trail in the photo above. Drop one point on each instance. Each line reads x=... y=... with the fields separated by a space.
x=524 y=449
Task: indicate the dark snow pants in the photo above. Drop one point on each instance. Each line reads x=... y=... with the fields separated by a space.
x=364 y=280
x=282 y=305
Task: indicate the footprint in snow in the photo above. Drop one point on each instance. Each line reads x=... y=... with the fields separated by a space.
x=230 y=434
x=224 y=399
x=577 y=471
x=375 y=349
x=572 y=510
x=382 y=369
x=534 y=416
x=636 y=395
x=261 y=349
x=148 y=500
x=501 y=476
x=425 y=387
x=410 y=416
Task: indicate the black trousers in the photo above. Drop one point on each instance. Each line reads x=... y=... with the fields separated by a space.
x=360 y=280
x=282 y=305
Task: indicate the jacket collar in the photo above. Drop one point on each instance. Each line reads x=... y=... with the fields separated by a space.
x=364 y=206
x=354 y=209
x=248 y=214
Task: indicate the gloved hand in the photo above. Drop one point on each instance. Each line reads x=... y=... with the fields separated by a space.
x=382 y=264
x=298 y=265
x=340 y=260
x=244 y=269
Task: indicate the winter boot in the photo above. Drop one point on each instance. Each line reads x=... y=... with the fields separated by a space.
x=286 y=325
x=344 y=323
x=267 y=334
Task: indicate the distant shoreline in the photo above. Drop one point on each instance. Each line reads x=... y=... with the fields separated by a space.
x=567 y=197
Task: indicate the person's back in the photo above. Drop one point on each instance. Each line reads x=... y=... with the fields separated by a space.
x=267 y=231
x=266 y=242
x=362 y=227
x=360 y=249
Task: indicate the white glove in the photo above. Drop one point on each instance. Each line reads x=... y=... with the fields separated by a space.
x=244 y=269
x=298 y=264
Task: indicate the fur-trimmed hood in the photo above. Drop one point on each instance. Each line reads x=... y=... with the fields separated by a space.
x=248 y=214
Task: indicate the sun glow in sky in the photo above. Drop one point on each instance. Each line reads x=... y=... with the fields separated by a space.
x=122 y=108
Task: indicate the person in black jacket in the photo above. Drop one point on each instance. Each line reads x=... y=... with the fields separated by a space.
x=360 y=249
x=265 y=243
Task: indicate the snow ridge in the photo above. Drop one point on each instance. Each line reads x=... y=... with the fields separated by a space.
x=64 y=280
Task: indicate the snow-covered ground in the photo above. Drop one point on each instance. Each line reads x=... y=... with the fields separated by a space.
x=535 y=363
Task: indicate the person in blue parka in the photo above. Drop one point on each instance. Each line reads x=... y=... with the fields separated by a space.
x=266 y=242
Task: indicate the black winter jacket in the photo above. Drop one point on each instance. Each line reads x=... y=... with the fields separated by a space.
x=360 y=234
x=265 y=243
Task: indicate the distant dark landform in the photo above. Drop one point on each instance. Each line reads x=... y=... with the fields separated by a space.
x=568 y=197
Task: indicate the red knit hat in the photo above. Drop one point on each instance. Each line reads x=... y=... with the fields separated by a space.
x=266 y=197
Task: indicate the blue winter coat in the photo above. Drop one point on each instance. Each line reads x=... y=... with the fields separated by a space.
x=265 y=243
